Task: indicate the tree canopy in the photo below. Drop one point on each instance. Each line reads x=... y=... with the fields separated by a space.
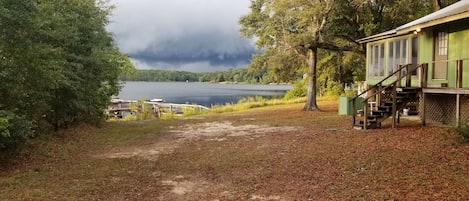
x=295 y=34
x=58 y=64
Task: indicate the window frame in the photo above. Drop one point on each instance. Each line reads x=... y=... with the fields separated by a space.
x=376 y=62
x=398 y=53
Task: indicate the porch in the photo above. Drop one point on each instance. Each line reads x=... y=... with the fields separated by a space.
x=436 y=101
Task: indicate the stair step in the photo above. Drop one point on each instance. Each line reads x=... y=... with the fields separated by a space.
x=370 y=125
x=387 y=104
x=385 y=108
x=375 y=116
x=401 y=97
x=369 y=122
x=380 y=112
x=408 y=89
x=358 y=126
x=406 y=93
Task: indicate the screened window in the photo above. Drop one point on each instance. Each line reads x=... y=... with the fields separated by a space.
x=397 y=54
x=376 y=64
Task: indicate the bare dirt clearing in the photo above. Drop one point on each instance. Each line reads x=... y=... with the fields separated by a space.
x=211 y=131
x=276 y=153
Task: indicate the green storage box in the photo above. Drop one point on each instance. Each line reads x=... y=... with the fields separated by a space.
x=346 y=105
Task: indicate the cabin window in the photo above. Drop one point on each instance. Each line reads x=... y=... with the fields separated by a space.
x=397 y=54
x=376 y=65
x=442 y=43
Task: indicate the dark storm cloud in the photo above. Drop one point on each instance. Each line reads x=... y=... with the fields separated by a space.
x=195 y=35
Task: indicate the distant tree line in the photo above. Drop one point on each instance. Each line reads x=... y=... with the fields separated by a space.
x=242 y=75
x=58 y=66
x=160 y=76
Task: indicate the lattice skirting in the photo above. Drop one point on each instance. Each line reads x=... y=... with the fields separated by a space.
x=442 y=109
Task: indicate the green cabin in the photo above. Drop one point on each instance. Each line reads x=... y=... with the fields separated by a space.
x=420 y=68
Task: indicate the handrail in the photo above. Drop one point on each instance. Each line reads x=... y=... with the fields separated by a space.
x=379 y=84
x=389 y=76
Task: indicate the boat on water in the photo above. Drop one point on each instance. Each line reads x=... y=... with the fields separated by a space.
x=157 y=100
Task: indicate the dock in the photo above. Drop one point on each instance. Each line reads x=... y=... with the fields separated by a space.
x=122 y=108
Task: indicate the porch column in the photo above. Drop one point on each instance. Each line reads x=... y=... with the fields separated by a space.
x=459 y=74
x=458 y=109
x=458 y=85
x=423 y=116
x=423 y=75
x=394 y=106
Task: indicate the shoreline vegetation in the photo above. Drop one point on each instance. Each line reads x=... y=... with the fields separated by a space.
x=170 y=110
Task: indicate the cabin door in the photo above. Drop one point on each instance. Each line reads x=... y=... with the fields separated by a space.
x=440 y=67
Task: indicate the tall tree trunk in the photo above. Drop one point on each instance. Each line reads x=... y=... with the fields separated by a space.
x=311 y=103
x=436 y=5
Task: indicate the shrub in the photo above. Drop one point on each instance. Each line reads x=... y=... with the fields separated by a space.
x=298 y=91
x=14 y=130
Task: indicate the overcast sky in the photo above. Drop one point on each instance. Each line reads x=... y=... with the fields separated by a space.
x=189 y=35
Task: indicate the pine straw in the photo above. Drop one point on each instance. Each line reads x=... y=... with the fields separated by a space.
x=274 y=153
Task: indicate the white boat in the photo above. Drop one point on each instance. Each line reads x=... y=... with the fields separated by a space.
x=157 y=100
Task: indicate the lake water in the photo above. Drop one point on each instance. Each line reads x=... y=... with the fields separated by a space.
x=206 y=94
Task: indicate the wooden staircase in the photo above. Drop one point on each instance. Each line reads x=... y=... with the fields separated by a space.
x=388 y=100
x=404 y=97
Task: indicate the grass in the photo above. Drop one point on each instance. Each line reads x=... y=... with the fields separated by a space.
x=323 y=160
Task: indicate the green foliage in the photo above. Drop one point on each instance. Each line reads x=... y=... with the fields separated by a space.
x=298 y=90
x=258 y=101
x=145 y=111
x=334 y=89
x=14 y=130
x=349 y=92
x=58 y=64
x=291 y=33
x=249 y=103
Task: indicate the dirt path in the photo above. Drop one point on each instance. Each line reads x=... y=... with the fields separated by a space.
x=185 y=187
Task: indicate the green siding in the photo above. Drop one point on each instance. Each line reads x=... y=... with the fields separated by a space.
x=458 y=49
x=458 y=42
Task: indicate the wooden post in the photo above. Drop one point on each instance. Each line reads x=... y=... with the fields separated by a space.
x=365 y=114
x=399 y=76
x=408 y=80
x=458 y=85
x=354 y=113
x=459 y=74
x=423 y=109
x=378 y=95
x=458 y=109
x=423 y=74
x=394 y=106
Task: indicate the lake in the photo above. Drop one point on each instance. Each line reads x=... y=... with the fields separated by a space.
x=206 y=94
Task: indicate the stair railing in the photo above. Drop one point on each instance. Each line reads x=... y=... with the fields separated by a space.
x=395 y=84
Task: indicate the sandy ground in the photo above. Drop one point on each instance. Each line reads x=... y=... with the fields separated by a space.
x=182 y=187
